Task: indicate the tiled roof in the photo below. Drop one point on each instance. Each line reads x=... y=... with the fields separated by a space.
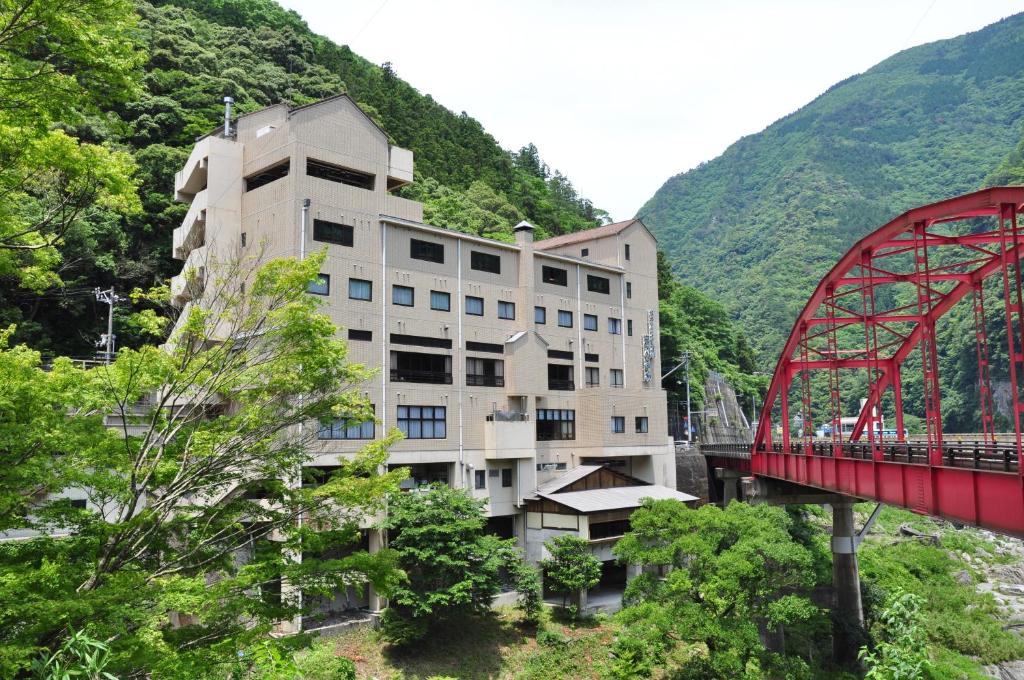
x=585 y=235
x=616 y=498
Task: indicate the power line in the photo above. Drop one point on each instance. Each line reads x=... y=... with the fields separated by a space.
x=368 y=21
x=906 y=43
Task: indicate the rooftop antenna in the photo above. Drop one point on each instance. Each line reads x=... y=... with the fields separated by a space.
x=228 y=101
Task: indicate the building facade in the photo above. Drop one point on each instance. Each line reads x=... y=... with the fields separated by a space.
x=504 y=364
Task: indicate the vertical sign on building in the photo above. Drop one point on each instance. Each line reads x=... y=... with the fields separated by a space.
x=648 y=354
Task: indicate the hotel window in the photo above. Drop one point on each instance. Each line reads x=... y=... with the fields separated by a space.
x=480 y=477
x=615 y=377
x=266 y=176
x=618 y=424
x=506 y=477
x=402 y=295
x=440 y=301
x=615 y=326
x=629 y=290
x=564 y=318
x=554 y=275
x=421 y=367
x=540 y=315
x=426 y=250
x=627 y=251
x=585 y=252
x=474 y=306
x=629 y=327
x=342 y=429
x=332 y=232
x=589 y=322
x=506 y=310
x=484 y=262
x=358 y=289
x=422 y=422
x=356 y=334
x=555 y=424
x=336 y=173
x=593 y=376
x=321 y=285
x=598 y=284
x=485 y=372
x=641 y=424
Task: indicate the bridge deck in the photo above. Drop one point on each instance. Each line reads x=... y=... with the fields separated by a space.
x=978 y=483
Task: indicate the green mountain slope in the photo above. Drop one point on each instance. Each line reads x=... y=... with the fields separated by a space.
x=758 y=226
x=198 y=52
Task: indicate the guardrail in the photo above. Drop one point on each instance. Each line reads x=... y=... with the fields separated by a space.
x=976 y=455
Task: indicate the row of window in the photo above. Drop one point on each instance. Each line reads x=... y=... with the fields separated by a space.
x=441 y=301
x=430 y=422
x=480 y=477
x=314 y=168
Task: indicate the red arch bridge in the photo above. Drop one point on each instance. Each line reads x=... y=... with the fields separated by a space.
x=868 y=341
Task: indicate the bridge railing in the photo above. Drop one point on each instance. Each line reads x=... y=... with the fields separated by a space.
x=976 y=455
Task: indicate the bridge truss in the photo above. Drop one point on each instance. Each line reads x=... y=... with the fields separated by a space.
x=870 y=323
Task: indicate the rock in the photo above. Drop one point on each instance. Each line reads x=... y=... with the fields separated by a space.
x=1011 y=589
x=963 y=576
x=1009 y=573
x=1009 y=670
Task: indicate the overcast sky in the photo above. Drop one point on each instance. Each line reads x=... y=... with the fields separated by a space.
x=622 y=94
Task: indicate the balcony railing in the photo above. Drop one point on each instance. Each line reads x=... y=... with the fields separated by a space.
x=485 y=380
x=432 y=377
x=556 y=384
x=508 y=417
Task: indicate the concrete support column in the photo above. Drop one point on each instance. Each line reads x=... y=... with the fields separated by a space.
x=632 y=571
x=730 y=484
x=848 y=614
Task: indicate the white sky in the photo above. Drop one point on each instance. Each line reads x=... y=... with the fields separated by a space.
x=622 y=94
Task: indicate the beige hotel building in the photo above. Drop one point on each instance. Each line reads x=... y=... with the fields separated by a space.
x=508 y=366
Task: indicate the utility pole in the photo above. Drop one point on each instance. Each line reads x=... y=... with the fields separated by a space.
x=109 y=298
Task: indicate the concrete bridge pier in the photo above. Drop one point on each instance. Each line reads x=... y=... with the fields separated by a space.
x=730 y=484
x=848 y=613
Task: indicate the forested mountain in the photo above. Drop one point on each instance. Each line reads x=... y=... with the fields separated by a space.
x=195 y=53
x=758 y=226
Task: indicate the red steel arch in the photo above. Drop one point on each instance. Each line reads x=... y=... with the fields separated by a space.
x=869 y=316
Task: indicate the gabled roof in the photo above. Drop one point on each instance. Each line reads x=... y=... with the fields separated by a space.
x=588 y=234
x=616 y=498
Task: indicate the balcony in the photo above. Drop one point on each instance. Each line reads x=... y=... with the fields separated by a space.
x=191 y=282
x=419 y=376
x=485 y=380
x=400 y=167
x=191 y=179
x=192 y=232
x=561 y=384
x=508 y=434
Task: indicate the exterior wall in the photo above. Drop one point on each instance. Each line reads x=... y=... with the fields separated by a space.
x=270 y=216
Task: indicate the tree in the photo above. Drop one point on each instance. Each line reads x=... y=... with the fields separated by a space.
x=194 y=500
x=572 y=568
x=901 y=651
x=59 y=63
x=727 y=572
x=453 y=568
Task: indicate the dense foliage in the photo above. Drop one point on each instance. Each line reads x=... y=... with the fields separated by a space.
x=185 y=510
x=453 y=567
x=758 y=226
x=714 y=579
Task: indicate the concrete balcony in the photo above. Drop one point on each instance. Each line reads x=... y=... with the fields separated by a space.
x=191 y=179
x=191 y=282
x=509 y=435
x=192 y=232
x=399 y=167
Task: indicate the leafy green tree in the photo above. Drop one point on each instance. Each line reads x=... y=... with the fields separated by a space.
x=901 y=650
x=193 y=500
x=531 y=591
x=571 y=567
x=725 y=573
x=453 y=568
x=59 y=63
